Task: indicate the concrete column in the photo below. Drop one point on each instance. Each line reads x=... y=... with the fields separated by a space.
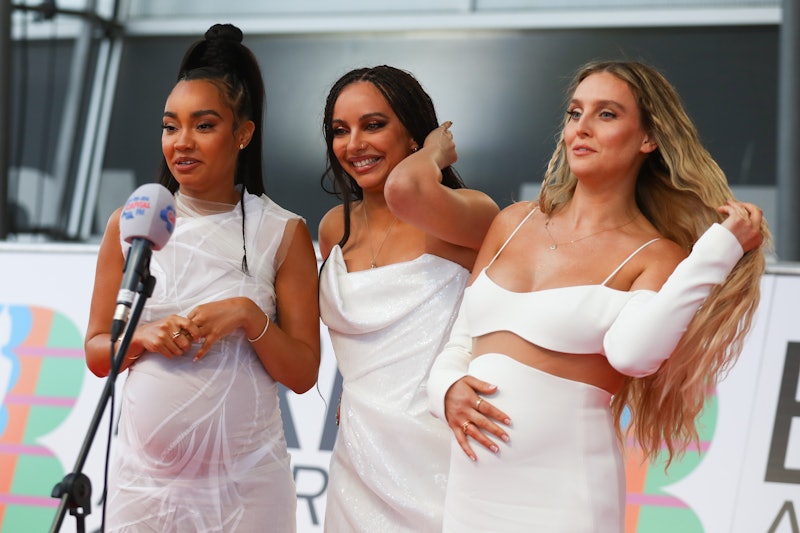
x=787 y=227
x=5 y=116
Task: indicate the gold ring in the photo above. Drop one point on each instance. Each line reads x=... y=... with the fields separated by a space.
x=478 y=404
x=176 y=334
x=465 y=426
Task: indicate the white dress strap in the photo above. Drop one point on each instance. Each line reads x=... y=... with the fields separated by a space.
x=511 y=236
x=639 y=249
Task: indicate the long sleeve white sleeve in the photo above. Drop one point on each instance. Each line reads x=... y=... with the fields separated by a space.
x=651 y=324
x=450 y=365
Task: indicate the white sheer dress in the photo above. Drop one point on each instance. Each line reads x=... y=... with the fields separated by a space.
x=201 y=444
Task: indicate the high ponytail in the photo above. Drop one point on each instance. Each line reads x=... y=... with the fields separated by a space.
x=221 y=59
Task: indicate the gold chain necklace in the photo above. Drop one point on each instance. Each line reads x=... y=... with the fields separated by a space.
x=369 y=241
x=555 y=244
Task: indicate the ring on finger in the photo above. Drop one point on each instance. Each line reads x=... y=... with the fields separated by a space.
x=465 y=426
x=176 y=334
x=478 y=404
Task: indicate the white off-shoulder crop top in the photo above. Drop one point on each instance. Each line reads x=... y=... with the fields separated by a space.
x=566 y=319
x=635 y=330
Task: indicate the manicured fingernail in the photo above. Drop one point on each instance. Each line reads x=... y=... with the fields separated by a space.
x=505 y=438
x=494 y=448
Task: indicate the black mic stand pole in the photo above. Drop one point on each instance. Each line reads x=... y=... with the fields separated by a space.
x=75 y=490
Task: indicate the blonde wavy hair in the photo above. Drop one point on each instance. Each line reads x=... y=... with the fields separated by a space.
x=678 y=189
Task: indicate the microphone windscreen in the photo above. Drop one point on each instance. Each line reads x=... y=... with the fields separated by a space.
x=149 y=213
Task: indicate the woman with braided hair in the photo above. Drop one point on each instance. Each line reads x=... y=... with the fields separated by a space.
x=398 y=251
x=234 y=312
x=629 y=284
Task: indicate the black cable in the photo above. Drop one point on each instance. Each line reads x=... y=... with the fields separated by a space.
x=104 y=496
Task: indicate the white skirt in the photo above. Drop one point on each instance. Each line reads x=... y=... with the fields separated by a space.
x=561 y=470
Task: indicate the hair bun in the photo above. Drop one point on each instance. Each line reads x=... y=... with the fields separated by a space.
x=224 y=32
x=221 y=48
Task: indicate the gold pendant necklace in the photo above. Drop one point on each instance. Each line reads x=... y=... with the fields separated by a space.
x=369 y=241
x=555 y=245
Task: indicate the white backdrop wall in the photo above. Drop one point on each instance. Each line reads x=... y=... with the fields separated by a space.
x=745 y=477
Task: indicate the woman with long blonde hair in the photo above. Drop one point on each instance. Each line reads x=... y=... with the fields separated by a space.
x=630 y=284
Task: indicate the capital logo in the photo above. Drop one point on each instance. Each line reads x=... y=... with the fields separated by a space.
x=649 y=502
x=41 y=374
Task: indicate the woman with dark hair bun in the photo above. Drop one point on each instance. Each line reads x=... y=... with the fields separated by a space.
x=398 y=253
x=234 y=312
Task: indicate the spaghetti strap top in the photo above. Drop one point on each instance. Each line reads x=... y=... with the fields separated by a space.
x=605 y=281
x=570 y=319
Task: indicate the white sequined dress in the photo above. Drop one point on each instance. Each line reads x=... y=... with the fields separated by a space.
x=201 y=444
x=388 y=469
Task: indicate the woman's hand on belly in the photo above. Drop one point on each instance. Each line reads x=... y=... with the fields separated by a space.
x=471 y=416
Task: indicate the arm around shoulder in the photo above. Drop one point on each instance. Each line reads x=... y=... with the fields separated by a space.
x=457 y=216
x=415 y=194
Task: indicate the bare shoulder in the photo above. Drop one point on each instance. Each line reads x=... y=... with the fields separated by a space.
x=511 y=216
x=659 y=260
x=331 y=230
x=113 y=219
x=111 y=236
x=300 y=255
x=506 y=222
x=667 y=251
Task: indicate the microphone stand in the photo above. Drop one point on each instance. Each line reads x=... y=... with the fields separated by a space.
x=75 y=489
